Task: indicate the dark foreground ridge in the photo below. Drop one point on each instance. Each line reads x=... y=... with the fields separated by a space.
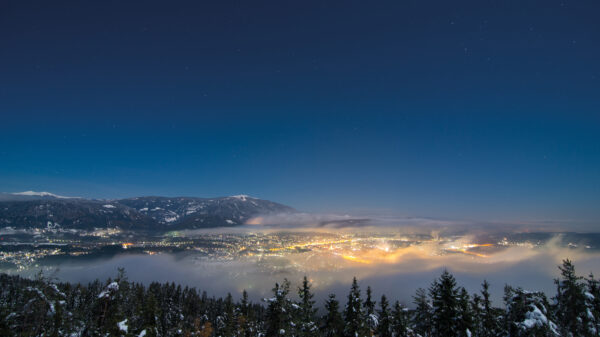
x=118 y=307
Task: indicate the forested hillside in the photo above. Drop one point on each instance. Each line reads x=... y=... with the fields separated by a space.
x=118 y=307
x=43 y=210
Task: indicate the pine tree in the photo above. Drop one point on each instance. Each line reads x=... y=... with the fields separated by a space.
x=593 y=299
x=279 y=318
x=355 y=324
x=444 y=301
x=490 y=326
x=513 y=305
x=245 y=303
x=333 y=322
x=306 y=324
x=107 y=308
x=400 y=321
x=228 y=322
x=571 y=313
x=369 y=312
x=527 y=314
x=384 y=326
x=149 y=314
x=118 y=310
x=246 y=319
x=465 y=314
x=423 y=313
x=477 y=314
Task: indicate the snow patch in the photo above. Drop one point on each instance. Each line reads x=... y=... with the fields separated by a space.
x=170 y=219
x=123 y=325
x=51 y=309
x=241 y=197
x=114 y=286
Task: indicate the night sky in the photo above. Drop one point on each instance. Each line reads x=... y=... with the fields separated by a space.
x=458 y=109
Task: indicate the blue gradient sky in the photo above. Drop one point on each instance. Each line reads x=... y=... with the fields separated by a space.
x=468 y=109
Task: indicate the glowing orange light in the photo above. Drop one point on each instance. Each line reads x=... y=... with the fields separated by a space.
x=355 y=259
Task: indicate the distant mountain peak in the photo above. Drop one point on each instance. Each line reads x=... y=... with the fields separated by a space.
x=241 y=197
x=42 y=194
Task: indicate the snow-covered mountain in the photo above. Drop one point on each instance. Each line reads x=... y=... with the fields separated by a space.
x=42 y=194
x=188 y=212
x=44 y=209
x=70 y=214
x=31 y=195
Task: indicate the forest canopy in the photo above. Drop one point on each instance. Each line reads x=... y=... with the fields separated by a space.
x=118 y=307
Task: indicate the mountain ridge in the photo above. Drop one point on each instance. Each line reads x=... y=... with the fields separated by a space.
x=44 y=210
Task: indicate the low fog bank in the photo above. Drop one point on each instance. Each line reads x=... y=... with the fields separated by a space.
x=397 y=275
x=341 y=223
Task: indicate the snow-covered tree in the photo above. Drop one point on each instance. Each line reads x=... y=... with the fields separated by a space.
x=355 y=323
x=246 y=320
x=592 y=295
x=489 y=319
x=444 y=302
x=384 y=326
x=279 y=320
x=422 y=320
x=476 y=311
x=527 y=314
x=369 y=311
x=400 y=321
x=465 y=313
x=333 y=322
x=573 y=315
x=305 y=321
x=227 y=322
